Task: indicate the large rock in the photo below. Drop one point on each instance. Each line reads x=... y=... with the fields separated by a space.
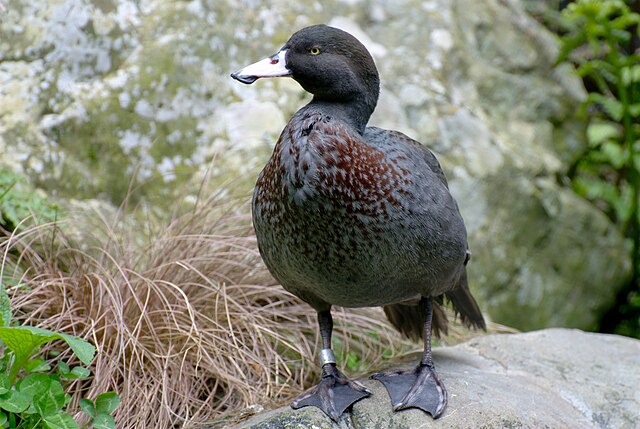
x=101 y=98
x=553 y=378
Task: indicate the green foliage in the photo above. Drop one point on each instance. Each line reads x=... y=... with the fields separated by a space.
x=31 y=395
x=601 y=40
x=19 y=201
x=100 y=410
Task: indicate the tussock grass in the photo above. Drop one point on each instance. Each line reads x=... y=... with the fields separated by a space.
x=188 y=323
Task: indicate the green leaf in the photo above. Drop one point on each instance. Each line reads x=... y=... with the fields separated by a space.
x=87 y=406
x=597 y=68
x=6 y=361
x=570 y=44
x=84 y=350
x=599 y=132
x=623 y=204
x=634 y=299
x=615 y=154
x=107 y=402
x=51 y=401
x=60 y=421
x=79 y=372
x=621 y=36
x=634 y=110
x=611 y=106
x=103 y=421
x=596 y=189
x=630 y=75
x=63 y=368
x=14 y=401
x=5 y=307
x=22 y=340
x=34 y=385
x=37 y=365
x=5 y=384
x=3 y=419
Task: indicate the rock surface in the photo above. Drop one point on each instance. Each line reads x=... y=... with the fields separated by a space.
x=101 y=97
x=554 y=378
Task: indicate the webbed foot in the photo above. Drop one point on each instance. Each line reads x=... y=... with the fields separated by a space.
x=333 y=394
x=419 y=388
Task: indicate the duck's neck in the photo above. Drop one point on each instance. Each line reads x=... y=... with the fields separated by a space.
x=354 y=112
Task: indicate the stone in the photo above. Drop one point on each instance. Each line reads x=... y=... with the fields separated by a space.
x=101 y=98
x=554 y=378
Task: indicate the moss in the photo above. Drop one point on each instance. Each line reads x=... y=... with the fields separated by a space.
x=20 y=204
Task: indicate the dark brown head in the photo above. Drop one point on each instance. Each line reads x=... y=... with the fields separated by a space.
x=329 y=63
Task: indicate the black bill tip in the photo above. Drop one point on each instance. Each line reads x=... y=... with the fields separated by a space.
x=244 y=78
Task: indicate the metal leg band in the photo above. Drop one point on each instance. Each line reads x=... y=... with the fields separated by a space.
x=327 y=356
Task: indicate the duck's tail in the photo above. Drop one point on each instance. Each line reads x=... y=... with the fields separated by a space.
x=409 y=319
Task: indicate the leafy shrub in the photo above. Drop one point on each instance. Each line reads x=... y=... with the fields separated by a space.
x=31 y=396
x=601 y=39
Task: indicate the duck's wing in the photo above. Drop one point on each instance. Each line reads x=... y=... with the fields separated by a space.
x=407 y=318
x=379 y=136
x=432 y=162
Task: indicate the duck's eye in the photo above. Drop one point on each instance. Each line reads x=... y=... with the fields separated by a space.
x=314 y=51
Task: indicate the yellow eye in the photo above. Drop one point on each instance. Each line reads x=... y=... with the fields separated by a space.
x=314 y=51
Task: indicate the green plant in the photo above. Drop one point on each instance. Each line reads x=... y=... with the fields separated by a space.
x=601 y=39
x=19 y=201
x=31 y=395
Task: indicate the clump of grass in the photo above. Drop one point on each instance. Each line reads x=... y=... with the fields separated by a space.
x=188 y=324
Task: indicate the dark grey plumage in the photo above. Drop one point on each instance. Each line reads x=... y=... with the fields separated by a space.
x=358 y=216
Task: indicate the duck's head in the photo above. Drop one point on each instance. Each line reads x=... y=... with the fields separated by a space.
x=329 y=63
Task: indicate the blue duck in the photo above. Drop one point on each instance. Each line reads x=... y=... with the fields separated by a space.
x=358 y=216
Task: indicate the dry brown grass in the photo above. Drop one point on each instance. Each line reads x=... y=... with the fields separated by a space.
x=188 y=324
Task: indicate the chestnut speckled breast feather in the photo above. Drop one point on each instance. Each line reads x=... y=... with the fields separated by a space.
x=340 y=215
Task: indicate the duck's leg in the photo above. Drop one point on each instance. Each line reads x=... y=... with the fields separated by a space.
x=335 y=392
x=421 y=387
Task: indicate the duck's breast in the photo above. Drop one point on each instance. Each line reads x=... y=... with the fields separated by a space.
x=353 y=222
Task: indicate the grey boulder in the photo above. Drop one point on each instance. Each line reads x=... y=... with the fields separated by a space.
x=555 y=378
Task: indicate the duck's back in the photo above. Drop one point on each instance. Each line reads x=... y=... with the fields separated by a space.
x=356 y=219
